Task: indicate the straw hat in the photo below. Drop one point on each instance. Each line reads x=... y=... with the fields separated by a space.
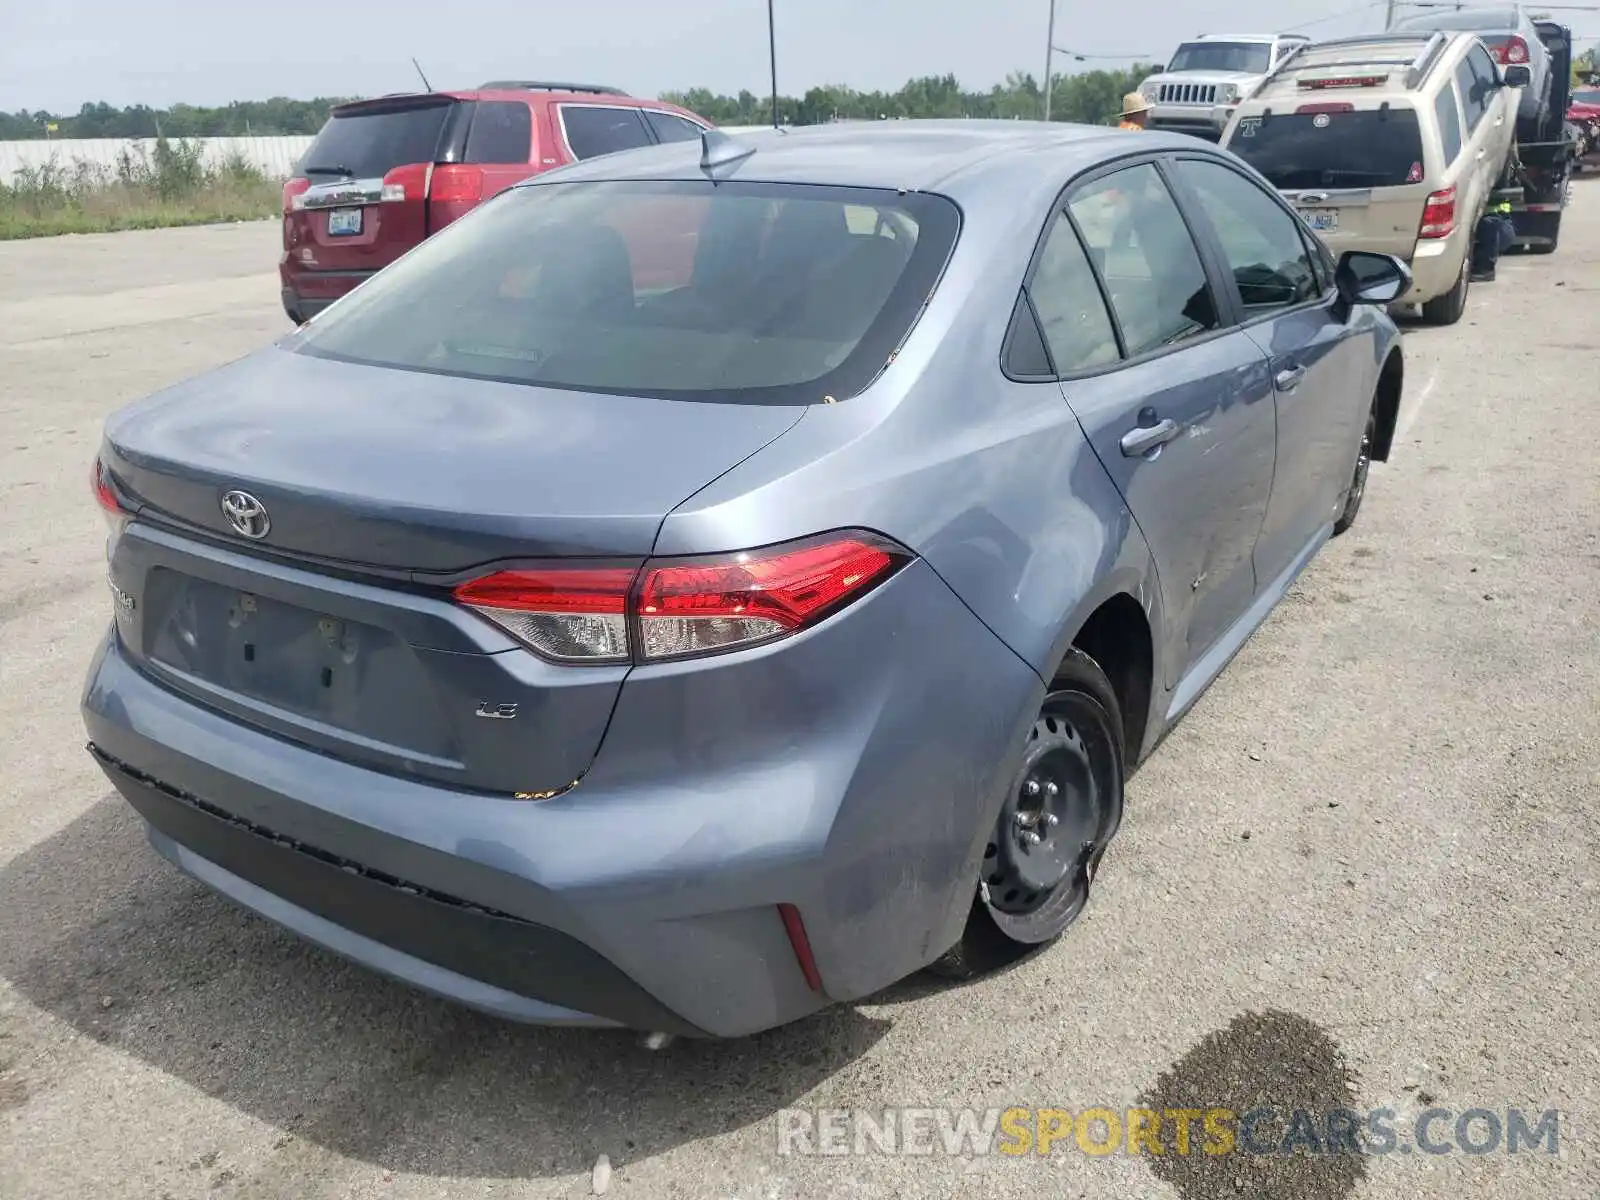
x=1134 y=102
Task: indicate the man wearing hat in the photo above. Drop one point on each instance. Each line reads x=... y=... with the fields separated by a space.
x=1135 y=111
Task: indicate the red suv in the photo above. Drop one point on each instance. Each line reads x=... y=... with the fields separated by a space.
x=383 y=174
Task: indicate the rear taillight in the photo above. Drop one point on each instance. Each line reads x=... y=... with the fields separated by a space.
x=1439 y=214
x=110 y=507
x=681 y=608
x=1512 y=52
x=292 y=191
x=454 y=183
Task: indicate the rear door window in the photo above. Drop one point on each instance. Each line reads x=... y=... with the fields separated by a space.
x=370 y=141
x=1375 y=148
x=593 y=130
x=1138 y=239
x=502 y=132
x=670 y=127
x=1260 y=241
x=1448 y=113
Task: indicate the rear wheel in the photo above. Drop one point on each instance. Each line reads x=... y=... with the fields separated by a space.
x=1058 y=817
x=1447 y=309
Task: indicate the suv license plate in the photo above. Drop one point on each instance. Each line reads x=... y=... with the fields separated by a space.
x=344 y=221
x=1323 y=220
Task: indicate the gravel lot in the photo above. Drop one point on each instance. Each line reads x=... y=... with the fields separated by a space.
x=1364 y=867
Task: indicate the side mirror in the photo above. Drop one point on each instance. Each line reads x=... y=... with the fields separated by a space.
x=1518 y=76
x=1363 y=277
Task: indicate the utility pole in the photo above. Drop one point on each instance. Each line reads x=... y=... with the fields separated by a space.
x=772 y=53
x=1049 y=53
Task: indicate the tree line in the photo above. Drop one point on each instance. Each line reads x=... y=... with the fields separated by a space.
x=1091 y=97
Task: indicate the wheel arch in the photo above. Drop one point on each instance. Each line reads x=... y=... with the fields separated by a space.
x=1391 y=385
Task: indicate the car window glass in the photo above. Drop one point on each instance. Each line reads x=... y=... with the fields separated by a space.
x=1483 y=75
x=1025 y=356
x=1138 y=239
x=592 y=130
x=1471 y=97
x=1071 y=310
x=1449 y=116
x=1260 y=241
x=502 y=132
x=670 y=128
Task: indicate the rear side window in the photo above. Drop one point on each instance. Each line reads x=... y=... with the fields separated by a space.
x=593 y=131
x=669 y=127
x=1261 y=241
x=1449 y=115
x=502 y=132
x=369 y=142
x=1071 y=310
x=1138 y=239
x=1375 y=148
x=735 y=292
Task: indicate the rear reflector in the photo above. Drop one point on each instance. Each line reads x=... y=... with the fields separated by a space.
x=1439 y=215
x=682 y=608
x=801 y=944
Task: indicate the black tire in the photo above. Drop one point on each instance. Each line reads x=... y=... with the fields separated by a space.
x=1550 y=246
x=1072 y=777
x=1447 y=309
x=1358 y=482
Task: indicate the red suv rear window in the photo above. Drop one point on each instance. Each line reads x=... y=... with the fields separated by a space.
x=369 y=141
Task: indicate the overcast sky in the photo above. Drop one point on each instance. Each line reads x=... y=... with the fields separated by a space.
x=57 y=54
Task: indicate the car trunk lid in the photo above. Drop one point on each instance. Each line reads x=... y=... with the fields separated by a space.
x=335 y=628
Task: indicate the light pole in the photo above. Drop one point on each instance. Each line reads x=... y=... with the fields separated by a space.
x=772 y=57
x=1049 y=59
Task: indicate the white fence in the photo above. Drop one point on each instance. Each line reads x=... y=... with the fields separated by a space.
x=274 y=155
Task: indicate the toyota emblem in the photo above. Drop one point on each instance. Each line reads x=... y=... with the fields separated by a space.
x=246 y=514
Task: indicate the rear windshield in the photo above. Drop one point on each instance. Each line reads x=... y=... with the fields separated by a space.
x=1249 y=57
x=741 y=293
x=1376 y=148
x=1467 y=18
x=368 y=144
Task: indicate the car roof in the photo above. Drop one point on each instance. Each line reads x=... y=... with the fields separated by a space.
x=1243 y=37
x=1466 y=18
x=947 y=156
x=1403 y=57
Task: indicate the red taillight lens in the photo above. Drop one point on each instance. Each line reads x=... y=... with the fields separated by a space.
x=1439 y=214
x=564 y=613
x=700 y=608
x=1514 y=51
x=110 y=507
x=454 y=183
x=682 y=608
x=292 y=191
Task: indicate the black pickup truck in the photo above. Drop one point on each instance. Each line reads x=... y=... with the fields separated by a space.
x=1542 y=159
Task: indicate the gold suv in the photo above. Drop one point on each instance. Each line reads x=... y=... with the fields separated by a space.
x=1388 y=142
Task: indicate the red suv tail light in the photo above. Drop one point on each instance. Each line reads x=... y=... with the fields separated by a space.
x=454 y=183
x=1439 y=215
x=683 y=608
x=292 y=191
x=1512 y=52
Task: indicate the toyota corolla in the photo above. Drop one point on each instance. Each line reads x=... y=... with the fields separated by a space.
x=718 y=580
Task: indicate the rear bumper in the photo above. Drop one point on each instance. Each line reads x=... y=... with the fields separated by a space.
x=1436 y=265
x=852 y=773
x=306 y=292
x=1197 y=120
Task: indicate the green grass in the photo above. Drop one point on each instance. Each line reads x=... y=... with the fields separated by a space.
x=169 y=186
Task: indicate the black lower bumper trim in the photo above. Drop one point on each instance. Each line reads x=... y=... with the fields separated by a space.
x=497 y=948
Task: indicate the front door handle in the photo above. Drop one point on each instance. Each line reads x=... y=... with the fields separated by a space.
x=1289 y=378
x=1143 y=439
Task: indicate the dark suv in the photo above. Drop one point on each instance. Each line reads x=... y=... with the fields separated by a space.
x=383 y=174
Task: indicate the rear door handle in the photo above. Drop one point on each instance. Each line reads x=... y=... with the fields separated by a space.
x=1143 y=439
x=1289 y=378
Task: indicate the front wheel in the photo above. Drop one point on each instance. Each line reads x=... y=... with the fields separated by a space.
x=1358 y=482
x=1058 y=816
